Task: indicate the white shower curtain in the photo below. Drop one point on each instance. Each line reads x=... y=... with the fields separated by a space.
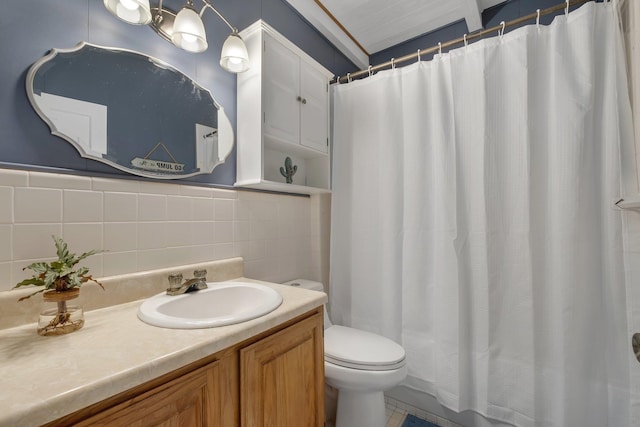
x=473 y=221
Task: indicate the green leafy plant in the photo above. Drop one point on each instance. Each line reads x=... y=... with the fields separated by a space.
x=59 y=275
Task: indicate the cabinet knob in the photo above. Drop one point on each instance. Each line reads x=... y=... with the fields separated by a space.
x=304 y=100
x=299 y=98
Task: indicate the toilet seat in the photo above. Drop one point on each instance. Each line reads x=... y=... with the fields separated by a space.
x=356 y=349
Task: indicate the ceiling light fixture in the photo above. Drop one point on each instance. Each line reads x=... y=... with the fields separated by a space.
x=132 y=11
x=185 y=29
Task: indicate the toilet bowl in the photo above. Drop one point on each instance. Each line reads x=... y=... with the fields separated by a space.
x=361 y=365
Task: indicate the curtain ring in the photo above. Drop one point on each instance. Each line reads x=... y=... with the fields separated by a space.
x=566 y=9
x=439 y=48
x=393 y=63
x=369 y=70
x=501 y=31
x=538 y=19
x=465 y=40
x=348 y=77
x=419 y=59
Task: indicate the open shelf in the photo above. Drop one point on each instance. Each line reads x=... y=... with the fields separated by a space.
x=281 y=187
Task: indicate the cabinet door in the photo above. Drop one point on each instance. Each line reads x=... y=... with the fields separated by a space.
x=281 y=80
x=194 y=399
x=314 y=114
x=282 y=378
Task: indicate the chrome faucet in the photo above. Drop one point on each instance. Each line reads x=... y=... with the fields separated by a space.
x=176 y=287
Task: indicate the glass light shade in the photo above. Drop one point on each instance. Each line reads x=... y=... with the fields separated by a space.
x=188 y=31
x=131 y=11
x=234 y=56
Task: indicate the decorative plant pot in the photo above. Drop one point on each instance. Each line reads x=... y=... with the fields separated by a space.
x=57 y=316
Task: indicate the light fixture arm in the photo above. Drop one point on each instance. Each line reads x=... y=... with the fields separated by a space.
x=184 y=29
x=158 y=18
x=209 y=5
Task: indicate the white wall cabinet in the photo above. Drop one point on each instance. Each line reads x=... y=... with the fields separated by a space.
x=283 y=111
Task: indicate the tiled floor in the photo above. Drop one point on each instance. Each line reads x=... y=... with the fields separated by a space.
x=397 y=412
x=395 y=417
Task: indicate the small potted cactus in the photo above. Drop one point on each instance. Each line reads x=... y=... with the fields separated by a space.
x=288 y=170
x=60 y=283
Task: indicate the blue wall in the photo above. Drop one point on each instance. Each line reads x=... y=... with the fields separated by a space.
x=507 y=11
x=29 y=28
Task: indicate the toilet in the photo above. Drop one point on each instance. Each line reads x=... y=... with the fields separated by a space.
x=361 y=365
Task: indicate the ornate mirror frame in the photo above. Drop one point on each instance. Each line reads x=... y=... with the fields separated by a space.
x=129 y=110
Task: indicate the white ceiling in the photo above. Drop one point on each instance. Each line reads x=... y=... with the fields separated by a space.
x=379 y=24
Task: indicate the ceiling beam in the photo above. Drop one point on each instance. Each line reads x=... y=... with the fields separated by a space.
x=472 y=14
x=330 y=29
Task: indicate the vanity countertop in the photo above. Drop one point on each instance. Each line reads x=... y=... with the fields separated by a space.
x=45 y=378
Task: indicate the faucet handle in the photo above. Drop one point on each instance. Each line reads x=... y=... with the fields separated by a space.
x=200 y=274
x=175 y=280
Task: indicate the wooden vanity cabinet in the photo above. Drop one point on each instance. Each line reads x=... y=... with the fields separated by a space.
x=194 y=399
x=202 y=394
x=282 y=378
x=273 y=379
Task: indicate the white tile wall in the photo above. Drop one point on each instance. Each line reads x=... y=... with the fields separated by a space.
x=41 y=205
x=146 y=225
x=6 y=205
x=5 y=242
x=224 y=209
x=120 y=207
x=82 y=206
x=152 y=207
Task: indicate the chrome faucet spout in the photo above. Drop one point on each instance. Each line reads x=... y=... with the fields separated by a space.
x=176 y=287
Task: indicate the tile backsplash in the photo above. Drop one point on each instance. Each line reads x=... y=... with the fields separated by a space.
x=149 y=225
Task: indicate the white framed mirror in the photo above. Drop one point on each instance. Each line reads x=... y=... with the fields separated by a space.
x=130 y=111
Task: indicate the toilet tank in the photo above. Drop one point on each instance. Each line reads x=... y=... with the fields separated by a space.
x=312 y=286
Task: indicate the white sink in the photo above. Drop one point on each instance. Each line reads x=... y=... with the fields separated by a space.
x=223 y=303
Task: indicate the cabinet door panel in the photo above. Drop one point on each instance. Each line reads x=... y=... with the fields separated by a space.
x=282 y=378
x=191 y=400
x=281 y=91
x=314 y=132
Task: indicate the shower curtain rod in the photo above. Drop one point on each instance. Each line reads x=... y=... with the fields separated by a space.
x=464 y=39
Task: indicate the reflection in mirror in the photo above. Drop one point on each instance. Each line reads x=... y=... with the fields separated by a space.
x=130 y=111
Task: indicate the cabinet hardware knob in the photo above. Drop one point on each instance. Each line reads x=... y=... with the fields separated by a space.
x=299 y=98
x=304 y=100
